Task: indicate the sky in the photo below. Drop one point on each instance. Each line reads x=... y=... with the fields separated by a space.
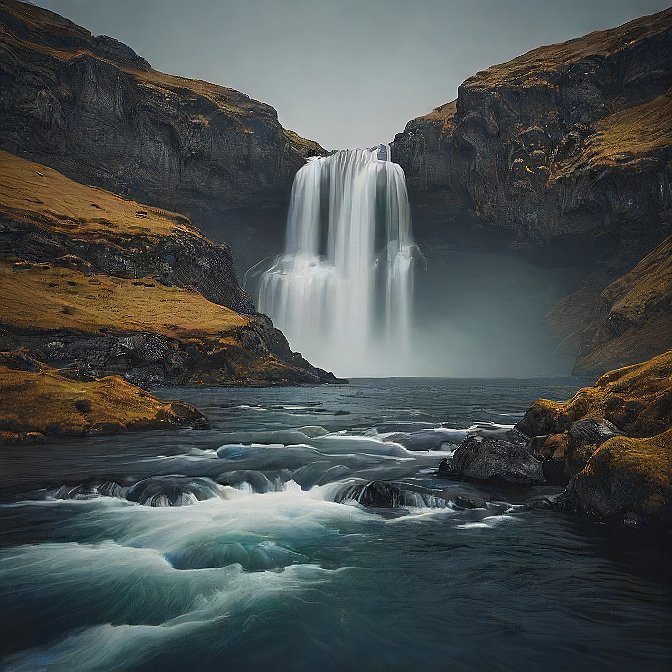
x=347 y=73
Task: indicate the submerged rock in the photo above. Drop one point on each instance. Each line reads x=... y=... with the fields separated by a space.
x=375 y=494
x=469 y=502
x=387 y=495
x=173 y=490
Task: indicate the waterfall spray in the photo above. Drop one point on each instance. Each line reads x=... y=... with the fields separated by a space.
x=342 y=291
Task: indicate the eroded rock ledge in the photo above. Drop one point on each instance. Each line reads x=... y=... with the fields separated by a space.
x=101 y=285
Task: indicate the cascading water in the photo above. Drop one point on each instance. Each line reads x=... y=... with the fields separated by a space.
x=342 y=292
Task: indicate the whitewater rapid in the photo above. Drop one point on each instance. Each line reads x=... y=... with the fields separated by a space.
x=342 y=292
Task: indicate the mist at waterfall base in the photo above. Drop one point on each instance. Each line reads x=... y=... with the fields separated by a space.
x=355 y=294
x=254 y=545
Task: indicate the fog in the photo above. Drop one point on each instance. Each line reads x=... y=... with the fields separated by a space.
x=481 y=314
x=476 y=314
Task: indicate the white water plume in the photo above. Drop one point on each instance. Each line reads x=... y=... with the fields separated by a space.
x=342 y=293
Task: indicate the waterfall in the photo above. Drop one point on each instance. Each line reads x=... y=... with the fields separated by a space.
x=342 y=292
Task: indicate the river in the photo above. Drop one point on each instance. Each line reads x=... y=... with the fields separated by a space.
x=247 y=546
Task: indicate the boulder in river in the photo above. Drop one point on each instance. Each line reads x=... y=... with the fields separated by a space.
x=376 y=494
x=493 y=459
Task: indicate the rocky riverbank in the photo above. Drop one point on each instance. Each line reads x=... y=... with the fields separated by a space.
x=610 y=445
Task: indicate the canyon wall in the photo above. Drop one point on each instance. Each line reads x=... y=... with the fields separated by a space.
x=564 y=150
x=100 y=114
x=563 y=155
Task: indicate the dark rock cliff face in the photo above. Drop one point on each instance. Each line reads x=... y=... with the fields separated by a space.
x=566 y=151
x=96 y=111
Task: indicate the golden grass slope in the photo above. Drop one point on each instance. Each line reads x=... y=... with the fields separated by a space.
x=646 y=287
x=636 y=398
x=535 y=67
x=43 y=297
x=636 y=317
x=33 y=193
x=625 y=138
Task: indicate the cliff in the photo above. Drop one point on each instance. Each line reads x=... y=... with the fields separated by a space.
x=98 y=285
x=565 y=151
x=100 y=114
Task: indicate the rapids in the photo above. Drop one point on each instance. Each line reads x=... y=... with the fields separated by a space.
x=307 y=531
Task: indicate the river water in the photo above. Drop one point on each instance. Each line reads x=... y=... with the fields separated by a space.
x=247 y=546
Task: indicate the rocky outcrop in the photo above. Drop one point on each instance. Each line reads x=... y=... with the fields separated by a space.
x=630 y=320
x=611 y=443
x=46 y=217
x=637 y=399
x=97 y=112
x=628 y=480
x=566 y=149
x=103 y=285
x=39 y=401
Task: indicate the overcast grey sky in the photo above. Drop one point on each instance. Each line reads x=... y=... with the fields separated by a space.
x=347 y=73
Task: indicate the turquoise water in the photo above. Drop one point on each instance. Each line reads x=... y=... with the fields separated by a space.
x=238 y=548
